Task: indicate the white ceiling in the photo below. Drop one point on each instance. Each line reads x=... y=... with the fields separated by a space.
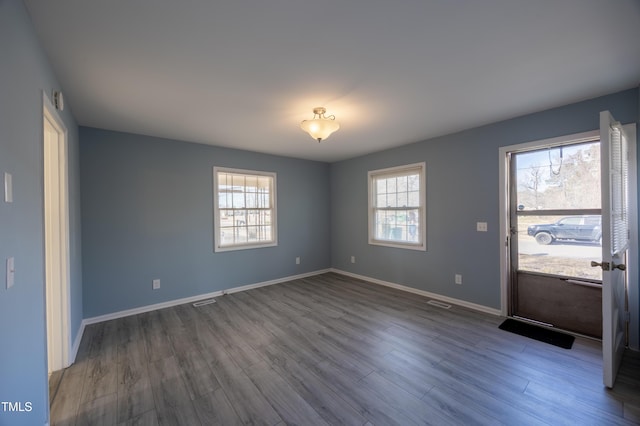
x=244 y=73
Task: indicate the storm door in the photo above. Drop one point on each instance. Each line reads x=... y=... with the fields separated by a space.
x=556 y=232
x=616 y=238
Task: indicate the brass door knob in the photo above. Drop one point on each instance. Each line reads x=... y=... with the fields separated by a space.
x=621 y=266
x=604 y=265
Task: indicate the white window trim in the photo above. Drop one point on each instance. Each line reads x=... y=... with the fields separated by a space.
x=422 y=244
x=216 y=211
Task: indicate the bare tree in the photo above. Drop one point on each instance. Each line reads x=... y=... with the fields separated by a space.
x=577 y=184
x=531 y=180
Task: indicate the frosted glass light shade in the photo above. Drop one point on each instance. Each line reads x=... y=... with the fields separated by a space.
x=320 y=127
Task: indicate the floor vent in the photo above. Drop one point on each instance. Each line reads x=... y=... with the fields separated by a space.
x=439 y=304
x=204 y=302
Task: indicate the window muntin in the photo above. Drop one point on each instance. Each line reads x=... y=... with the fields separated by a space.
x=244 y=209
x=397 y=207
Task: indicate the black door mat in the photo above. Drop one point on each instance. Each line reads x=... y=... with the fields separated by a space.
x=538 y=333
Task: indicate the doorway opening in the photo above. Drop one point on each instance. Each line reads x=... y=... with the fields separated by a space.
x=555 y=220
x=56 y=229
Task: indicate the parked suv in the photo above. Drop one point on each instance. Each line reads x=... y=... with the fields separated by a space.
x=573 y=228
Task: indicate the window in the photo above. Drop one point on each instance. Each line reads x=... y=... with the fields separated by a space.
x=397 y=199
x=244 y=209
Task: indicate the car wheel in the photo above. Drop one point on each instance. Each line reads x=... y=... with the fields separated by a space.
x=544 y=238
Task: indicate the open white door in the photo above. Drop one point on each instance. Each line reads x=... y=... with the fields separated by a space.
x=615 y=242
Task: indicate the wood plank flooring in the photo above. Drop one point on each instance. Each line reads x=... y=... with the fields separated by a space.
x=333 y=350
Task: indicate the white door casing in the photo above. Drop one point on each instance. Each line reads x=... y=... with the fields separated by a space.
x=56 y=226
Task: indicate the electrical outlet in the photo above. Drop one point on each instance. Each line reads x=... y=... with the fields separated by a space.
x=298 y=260
x=353 y=259
x=156 y=284
x=458 y=279
x=481 y=226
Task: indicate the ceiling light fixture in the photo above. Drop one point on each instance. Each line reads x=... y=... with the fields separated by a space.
x=320 y=127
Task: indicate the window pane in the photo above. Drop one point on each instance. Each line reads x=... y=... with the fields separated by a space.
x=240 y=235
x=402 y=199
x=264 y=183
x=263 y=199
x=227 y=218
x=560 y=245
x=391 y=185
x=413 y=225
x=222 y=199
x=392 y=200
x=226 y=235
x=238 y=198
x=413 y=182
x=224 y=219
x=402 y=184
x=252 y=233
x=566 y=177
x=251 y=217
x=237 y=180
x=251 y=183
x=413 y=199
x=251 y=200
x=381 y=225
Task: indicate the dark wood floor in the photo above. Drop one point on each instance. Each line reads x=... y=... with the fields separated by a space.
x=332 y=350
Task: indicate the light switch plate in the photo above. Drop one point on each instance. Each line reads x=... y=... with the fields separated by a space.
x=156 y=284
x=8 y=188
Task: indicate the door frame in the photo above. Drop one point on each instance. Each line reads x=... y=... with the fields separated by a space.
x=56 y=298
x=634 y=291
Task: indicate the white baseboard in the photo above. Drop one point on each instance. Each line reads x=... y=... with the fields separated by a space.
x=451 y=300
x=175 y=302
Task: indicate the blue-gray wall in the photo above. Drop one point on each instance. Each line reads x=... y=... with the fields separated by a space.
x=147 y=212
x=24 y=74
x=462 y=189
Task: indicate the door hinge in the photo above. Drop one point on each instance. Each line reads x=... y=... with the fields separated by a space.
x=627 y=317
